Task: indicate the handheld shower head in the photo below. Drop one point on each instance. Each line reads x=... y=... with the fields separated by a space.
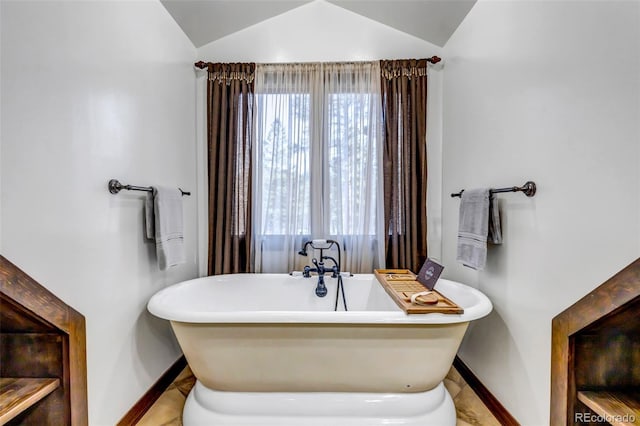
x=303 y=251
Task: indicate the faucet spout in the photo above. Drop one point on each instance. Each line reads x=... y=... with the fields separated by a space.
x=321 y=288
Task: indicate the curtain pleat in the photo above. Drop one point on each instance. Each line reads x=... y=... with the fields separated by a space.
x=229 y=120
x=404 y=109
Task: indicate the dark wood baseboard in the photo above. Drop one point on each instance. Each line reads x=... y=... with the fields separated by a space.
x=139 y=409
x=499 y=412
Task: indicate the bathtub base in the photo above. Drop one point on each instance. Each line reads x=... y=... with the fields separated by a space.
x=206 y=407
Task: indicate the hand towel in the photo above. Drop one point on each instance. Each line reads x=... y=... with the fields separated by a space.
x=149 y=223
x=495 y=229
x=169 y=234
x=473 y=228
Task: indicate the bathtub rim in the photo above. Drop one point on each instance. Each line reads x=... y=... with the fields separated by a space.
x=158 y=307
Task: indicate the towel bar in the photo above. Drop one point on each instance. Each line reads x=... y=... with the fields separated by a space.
x=529 y=189
x=115 y=186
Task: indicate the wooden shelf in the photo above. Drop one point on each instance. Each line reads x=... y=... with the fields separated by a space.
x=620 y=408
x=40 y=336
x=594 y=347
x=18 y=394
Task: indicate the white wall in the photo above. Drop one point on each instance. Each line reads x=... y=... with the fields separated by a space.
x=317 y=31
x=323 y=32
x=93 y=91
x=547 y=91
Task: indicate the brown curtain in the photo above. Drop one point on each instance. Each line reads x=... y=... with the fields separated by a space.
x=404 y=110
x=230 y=100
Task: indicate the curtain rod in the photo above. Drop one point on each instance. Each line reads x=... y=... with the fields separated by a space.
x=202 y=65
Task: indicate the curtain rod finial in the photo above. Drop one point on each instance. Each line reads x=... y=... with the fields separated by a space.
x=201 y=64
x=434 y=59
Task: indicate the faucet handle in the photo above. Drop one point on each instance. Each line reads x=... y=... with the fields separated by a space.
x=306 y=273
x=335 y=271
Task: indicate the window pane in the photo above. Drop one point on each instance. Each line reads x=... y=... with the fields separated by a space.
x=284 y=183
x=352 y=164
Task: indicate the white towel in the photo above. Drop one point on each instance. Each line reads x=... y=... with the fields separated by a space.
x=473 y=228
x=169 y=235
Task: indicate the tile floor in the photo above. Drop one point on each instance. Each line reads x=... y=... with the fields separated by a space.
x=167 y=411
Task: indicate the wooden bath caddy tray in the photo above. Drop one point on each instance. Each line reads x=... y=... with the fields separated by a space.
x=401 y=284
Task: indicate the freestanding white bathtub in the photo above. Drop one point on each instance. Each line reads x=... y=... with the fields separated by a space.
x=267 y=351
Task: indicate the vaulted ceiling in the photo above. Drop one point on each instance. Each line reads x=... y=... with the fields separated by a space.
x=205 y=21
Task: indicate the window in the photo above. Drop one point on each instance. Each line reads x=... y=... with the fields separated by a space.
x=317 y=162
x=283 y=165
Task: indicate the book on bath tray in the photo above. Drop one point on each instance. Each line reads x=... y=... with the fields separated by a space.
x=429 y=274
